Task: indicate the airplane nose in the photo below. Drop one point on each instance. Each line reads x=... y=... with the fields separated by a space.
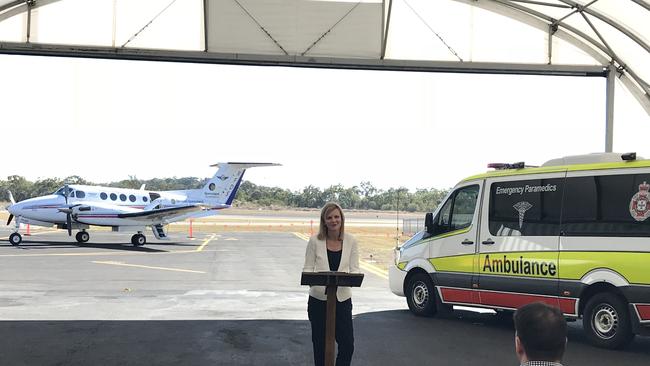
x=14 y=208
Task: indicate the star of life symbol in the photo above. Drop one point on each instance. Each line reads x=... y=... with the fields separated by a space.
x=640 y=203
x=522 y=207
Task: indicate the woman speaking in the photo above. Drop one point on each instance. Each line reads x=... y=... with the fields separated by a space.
x=331 y=250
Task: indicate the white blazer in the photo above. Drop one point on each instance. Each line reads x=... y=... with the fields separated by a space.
x=316 y=261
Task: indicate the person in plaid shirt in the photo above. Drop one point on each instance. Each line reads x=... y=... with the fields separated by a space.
x=540 y=335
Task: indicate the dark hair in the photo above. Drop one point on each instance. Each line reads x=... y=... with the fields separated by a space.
x=542 y=331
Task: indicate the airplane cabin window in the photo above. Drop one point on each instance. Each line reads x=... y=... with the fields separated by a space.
x=81 y=194
x=144 y=199
x=113 y=196
x=103 y=195
x=123 y=197
x=132 y=198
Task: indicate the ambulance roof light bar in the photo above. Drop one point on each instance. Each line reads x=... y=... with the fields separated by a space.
x=629 y=156
x=502 y=166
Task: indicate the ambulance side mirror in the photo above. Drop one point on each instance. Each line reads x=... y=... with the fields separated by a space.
x=428 y=223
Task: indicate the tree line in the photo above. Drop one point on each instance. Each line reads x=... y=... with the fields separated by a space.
x=364 y=196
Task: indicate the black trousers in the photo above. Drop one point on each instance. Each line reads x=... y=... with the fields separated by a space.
x=317 y=310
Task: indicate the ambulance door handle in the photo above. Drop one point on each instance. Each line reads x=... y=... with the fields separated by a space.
x=467 y=242
x=488 y=241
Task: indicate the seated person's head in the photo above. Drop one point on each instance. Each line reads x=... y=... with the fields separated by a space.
x=540 y=333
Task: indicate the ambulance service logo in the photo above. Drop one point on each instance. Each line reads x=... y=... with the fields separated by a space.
x=640 y=203
x=521 y=208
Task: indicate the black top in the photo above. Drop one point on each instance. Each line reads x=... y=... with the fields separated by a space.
x=334 y=258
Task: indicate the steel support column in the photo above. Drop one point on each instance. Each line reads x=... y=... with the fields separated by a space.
x=609 y=109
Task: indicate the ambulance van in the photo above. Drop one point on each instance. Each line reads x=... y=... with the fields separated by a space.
x=573 y=233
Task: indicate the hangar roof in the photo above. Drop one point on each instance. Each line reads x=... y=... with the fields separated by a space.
x=498 y=33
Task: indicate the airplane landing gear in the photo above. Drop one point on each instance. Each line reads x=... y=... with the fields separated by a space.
x=15 y=239
x=138 y=240
x=82 y=237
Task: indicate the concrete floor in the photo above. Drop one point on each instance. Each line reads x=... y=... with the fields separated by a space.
x=228 y=299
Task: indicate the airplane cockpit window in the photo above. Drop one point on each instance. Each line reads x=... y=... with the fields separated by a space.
x=81 y=194
x=103 y=195
x=132 y=198
x=113 y=196
x=61 y=190
x=72 y=194
x=123 y=197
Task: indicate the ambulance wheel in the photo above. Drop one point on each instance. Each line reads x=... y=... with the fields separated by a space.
x=606 y=321
x=421 y=295
x=138 y=240
x=15 y=239
x=82 y=237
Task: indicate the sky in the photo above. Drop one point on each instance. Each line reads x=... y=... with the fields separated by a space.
x=106 y=120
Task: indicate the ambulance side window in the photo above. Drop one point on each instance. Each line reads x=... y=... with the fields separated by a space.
x=609 y=205
x=458 y=210
x=444 y=216
x=464 y=205
x=526 y=207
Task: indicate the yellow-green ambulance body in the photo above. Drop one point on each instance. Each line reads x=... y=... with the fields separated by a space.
x=574 y=233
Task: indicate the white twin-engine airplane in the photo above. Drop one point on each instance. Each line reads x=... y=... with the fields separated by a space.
x=80 y=206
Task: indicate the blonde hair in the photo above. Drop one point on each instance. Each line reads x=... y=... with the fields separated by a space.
x=322 y=230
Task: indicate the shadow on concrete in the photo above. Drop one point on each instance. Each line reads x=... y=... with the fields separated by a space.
x=382 y=338
x=50 y=244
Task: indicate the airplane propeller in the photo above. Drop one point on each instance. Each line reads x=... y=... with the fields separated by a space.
x=68 y=211
x=13 y=201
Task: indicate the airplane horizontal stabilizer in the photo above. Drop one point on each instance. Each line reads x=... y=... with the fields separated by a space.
x=245 y=165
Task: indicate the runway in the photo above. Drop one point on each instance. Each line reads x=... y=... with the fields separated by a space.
x=219 y=299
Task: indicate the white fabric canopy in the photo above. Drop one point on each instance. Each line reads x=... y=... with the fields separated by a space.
x=556 y=32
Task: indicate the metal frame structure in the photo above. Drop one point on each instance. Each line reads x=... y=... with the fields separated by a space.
x=611 y=67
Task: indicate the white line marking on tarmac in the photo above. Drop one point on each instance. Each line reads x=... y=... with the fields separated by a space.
x=114 y=263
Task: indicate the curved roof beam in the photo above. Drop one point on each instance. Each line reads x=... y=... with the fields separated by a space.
x=642 y=3
x=509 y=8
x=10 y=4
x=603 y=47
x=20 y=6
x=628 y=32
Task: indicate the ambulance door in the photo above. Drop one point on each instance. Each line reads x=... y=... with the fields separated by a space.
x=519 y=240
x=452 y=247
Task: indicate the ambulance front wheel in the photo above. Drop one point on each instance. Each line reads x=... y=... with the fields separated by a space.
x=421 y=295
x=606 y=321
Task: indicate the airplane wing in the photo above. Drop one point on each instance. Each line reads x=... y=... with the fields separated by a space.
x=159 y=214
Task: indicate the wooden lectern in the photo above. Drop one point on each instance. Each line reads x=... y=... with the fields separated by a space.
x=332 y=280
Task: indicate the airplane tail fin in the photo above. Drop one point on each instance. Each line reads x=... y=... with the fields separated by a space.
x=223 y=186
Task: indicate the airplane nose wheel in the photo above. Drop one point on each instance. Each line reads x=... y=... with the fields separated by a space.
x=82 y=237
x=138 y=240
x=15 y=239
